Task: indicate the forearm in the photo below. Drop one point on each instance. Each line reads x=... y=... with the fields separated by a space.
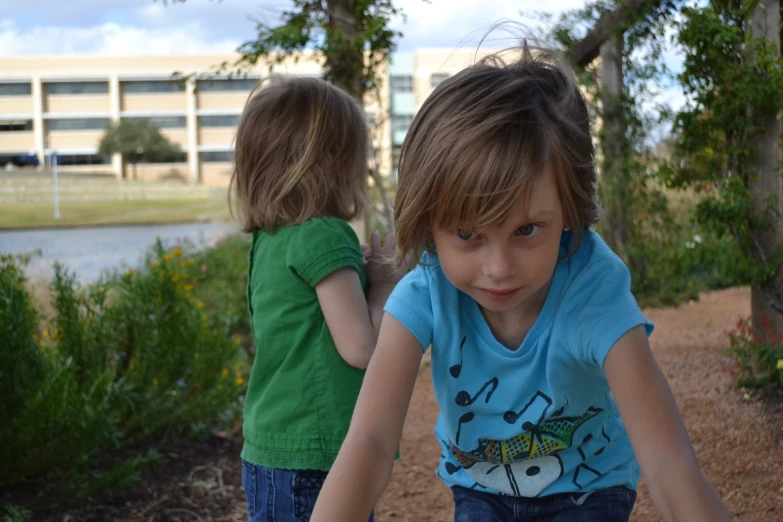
x=376 y=300
x=682 y=493
x=355 y=482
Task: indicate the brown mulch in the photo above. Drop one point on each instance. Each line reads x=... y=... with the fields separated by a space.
x=738 y=436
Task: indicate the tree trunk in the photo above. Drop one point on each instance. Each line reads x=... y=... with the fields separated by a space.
x=766 y=190
x=344 y=60
x=613 y=145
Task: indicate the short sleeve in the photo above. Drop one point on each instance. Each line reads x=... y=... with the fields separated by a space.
x=600 y=309
x=322 y=246
x=411 y=304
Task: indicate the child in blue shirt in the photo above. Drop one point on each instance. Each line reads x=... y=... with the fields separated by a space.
x=551 y=401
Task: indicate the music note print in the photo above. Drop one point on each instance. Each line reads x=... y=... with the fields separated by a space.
x=457 y=368
x=538 y=413
x=464 y=398
x=469 y=416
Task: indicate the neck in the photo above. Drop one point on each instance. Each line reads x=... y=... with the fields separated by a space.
x=510 y=327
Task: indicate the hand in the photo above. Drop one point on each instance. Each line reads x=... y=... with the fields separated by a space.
x=366 y=252
x=380 y=263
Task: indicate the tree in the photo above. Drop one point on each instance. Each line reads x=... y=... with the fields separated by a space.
x=728 y=139
x=352 y=36
x=137 y=139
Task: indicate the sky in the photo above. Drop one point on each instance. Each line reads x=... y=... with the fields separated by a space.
x=121 y=27
x=132 y=27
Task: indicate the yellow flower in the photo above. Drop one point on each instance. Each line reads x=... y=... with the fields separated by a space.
x=155 y=382
x=130 y=273
x=240 y=381
x=197 y=385
x=45 y=333
x=224 y=373
x=199 y=305
x=237 y=340
x=154 y=264
x=191 y=262
x=780 y=364
x=41 y=343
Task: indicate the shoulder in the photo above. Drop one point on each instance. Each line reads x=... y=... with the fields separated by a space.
x=320 y=246
x=326 y=230
x=597 y=305
x=594 y=266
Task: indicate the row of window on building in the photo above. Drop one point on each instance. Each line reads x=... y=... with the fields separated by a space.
x=397 y=83
x=128 y=87
x=30 y=160
x=162 y=122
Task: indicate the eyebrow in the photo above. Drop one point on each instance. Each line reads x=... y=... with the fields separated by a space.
x=539 y=214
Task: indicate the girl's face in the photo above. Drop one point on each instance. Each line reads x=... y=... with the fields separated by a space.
x=507 y=268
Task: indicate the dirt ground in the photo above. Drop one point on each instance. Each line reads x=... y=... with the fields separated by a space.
x=738 y=440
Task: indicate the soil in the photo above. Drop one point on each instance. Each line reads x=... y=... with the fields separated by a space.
x=737 y=434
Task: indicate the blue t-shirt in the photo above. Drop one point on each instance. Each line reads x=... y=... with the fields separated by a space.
x=538 y=420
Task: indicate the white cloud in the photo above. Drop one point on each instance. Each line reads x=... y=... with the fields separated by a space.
x=107 y=39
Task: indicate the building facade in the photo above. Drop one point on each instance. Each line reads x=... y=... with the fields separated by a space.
x=63 y=104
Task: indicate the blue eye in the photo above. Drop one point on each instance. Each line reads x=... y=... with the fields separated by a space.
x=465 y=236
x=527 y=230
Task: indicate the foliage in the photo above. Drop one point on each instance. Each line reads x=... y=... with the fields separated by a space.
x=137 y=139
x=671 y=256
x=21 y=363
x=15 y=513
x=755 y=363
x=730 y=81
x=132 y=358
x=219 y=274
x=352 y=36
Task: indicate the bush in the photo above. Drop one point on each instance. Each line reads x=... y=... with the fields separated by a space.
x=130 y=358
x=754 y=363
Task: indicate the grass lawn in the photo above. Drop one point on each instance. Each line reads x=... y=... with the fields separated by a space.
x=122 y=212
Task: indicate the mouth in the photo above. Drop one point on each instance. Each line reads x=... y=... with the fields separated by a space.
x=500 y=295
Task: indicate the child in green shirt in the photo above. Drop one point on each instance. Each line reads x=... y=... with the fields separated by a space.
x=315 y=301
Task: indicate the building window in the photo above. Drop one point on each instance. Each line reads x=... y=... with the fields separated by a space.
x=69 y=124
x=438 y=78
x=401 y=122
x=179 y=157
x=164 y=122
x=141 y=87
x=218 y=156
x=56 y=88
x=246 y=85
x=231 y=120
x=21 y=159
x=82 y=159
x=16 y=125
x=15 y=89
x=401 y=83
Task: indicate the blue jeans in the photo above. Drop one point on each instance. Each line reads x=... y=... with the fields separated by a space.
x=605 y=505
x=281 y=495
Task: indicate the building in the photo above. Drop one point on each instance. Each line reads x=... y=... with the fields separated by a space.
x=64 y=103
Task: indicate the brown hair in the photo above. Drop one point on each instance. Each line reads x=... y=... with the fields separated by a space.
x=481 y=140
x=301 y=152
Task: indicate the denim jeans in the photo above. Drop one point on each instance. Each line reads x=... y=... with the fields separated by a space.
x=605 y=505
x=281 y=495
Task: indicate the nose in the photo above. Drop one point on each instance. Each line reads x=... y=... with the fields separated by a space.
x=499 y=263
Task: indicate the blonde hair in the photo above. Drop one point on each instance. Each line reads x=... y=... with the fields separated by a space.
x=481 y=140
x=301 y=152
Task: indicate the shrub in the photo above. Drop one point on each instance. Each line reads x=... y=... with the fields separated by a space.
x=129 y=358
x=753 y=362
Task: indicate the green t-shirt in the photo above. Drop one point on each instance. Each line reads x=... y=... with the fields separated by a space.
x=301 y=393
